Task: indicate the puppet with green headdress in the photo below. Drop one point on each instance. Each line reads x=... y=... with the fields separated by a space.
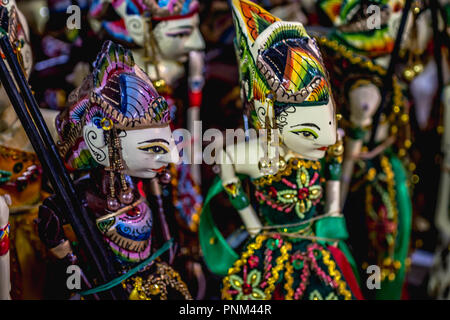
x=295 y=249
x=375 y=182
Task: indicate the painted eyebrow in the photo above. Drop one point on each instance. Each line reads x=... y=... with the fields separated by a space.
x=181 y=27
x=307 y=125
x=155 y=140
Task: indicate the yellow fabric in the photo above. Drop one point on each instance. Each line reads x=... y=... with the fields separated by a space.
x=27 y=252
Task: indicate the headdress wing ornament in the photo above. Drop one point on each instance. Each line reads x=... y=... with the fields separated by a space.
x=279 y=57
x=353 y=22
x=118 y=91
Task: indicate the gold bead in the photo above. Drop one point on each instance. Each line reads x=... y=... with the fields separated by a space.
x=418 y=68
x=396 y=109
x=160 y=83
x=405 y=117
x=408 y=143
x=391 y=276
x=394 y=129
x=281 y=164
x=155 y=289
x=409 y=74
x=371 y=174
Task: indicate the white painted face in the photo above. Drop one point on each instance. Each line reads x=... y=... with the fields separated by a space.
x=364 y=101
x=308 y=131
x=146 y=152
x=176 y=38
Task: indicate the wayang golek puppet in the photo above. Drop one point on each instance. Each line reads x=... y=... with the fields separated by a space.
x=376 y=167
x=165 y=40
x=164 y=36
x=21 y=173
x=440 y=276
x=117 y=129
x=439 y=283
x=295 y=223
x=5 y=282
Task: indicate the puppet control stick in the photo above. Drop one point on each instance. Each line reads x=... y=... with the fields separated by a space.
x=32 y=121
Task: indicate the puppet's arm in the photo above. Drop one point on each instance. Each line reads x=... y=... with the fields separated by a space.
x=196 y=82
x=237 y=195
x=5 y=283
x=364 y=100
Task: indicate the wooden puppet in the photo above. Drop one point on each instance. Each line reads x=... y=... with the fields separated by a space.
x=294 y=221
x=21 y=175
x=117 y=128
x=166 y=42
x=375 y=177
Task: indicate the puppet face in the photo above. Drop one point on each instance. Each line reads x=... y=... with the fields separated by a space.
x=364 y=101
x=176 y=38
x=146 y=152
x=283 y=76
x=306 y=130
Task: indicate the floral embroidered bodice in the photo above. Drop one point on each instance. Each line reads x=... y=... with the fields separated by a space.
x=292 y=195
x=277 y=264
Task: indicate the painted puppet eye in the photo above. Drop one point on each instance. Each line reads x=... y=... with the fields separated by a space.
x=179 y=34
x=307 y=133
x=154 y=148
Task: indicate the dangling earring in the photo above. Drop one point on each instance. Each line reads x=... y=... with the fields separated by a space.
x=111 y=201
x=270 y=163
x=126 y=194
x=116 y=166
